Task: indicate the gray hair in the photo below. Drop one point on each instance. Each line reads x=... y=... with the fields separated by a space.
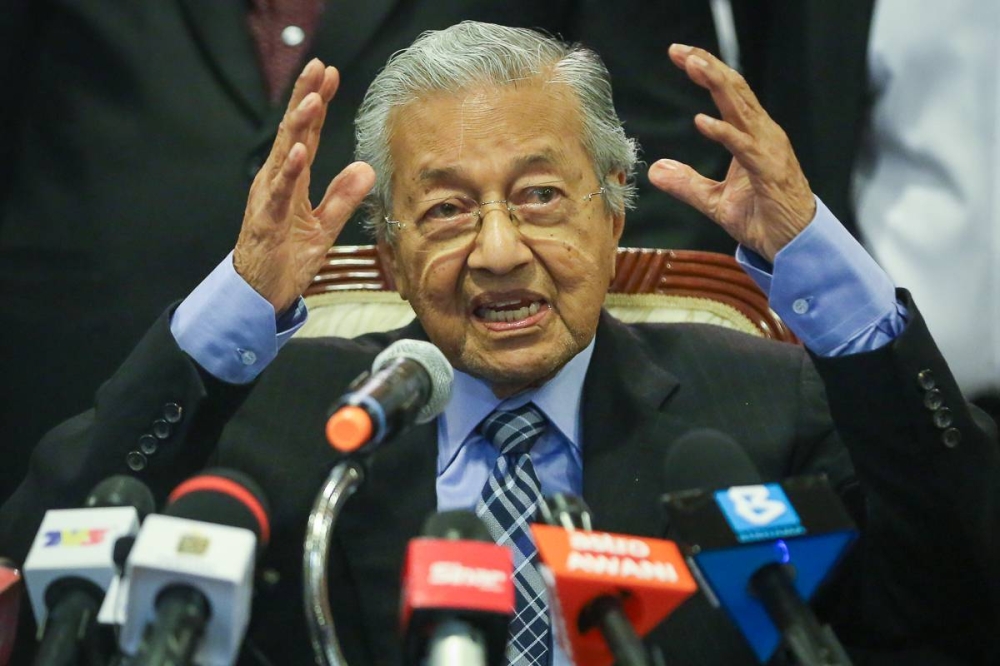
x=472 y=53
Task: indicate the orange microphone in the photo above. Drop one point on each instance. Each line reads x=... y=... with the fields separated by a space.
x=410 y=382
x=608 y=589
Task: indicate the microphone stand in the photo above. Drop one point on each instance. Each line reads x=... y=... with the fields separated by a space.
x=810 y=643
x=344 y=479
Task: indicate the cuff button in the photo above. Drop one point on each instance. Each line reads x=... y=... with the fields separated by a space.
x=148 y=444
x=172 y=412
x=925 y=379
x=943 y=418
x=934 y=399
x=161 y=429
x=135 y=461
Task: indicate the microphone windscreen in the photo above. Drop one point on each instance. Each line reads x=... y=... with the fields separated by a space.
x=438 y=369
x=224 y=497
x=122 y=490
x=706 y=458
x=457 y=525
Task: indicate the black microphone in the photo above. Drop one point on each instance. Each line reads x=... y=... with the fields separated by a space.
x=410 y=382
x=190 y=572
x=759 y=550
x=457 y=596
x=71 y=566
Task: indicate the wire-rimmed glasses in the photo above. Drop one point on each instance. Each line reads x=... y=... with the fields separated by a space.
x=537 y=205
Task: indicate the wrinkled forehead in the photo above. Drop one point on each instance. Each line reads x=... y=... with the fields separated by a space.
x=515 y=127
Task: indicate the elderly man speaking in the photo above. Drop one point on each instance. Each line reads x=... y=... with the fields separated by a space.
x=497 y=178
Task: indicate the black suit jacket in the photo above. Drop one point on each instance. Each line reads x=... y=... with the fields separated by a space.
x=132 y=131
x=905 y=585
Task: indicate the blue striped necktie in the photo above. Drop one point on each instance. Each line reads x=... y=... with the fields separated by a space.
x=507 y=506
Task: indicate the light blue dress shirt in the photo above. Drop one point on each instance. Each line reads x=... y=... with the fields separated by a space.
x=823 y=285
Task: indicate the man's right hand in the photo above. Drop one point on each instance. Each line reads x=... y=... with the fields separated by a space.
x=284 y=240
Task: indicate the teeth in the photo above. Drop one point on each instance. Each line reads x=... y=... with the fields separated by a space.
x=490 y=314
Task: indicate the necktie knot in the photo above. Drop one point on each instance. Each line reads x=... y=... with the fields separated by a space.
x=514 y=431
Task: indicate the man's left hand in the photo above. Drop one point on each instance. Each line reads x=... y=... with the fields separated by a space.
x=765 y=199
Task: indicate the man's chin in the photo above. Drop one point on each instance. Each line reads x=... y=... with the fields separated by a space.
x=525 y=371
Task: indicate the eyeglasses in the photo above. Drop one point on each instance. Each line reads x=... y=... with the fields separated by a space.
x=537 y=205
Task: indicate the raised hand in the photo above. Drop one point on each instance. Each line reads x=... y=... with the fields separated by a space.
x=765 y=200
x=284 y=239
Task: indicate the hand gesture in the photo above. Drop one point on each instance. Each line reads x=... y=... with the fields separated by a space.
x=765 y=200
x=284 y=240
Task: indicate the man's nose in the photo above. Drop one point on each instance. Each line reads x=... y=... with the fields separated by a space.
x=499 y=247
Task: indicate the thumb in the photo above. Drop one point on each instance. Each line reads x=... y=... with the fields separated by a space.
x=684 y=183
x=344 y=194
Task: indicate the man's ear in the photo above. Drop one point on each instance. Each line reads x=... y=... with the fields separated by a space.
x=390 y=260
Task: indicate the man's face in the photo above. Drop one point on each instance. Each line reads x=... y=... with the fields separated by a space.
x=508 y=301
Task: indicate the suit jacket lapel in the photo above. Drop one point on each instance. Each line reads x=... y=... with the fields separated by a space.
x=625 y=394
x=221 y=30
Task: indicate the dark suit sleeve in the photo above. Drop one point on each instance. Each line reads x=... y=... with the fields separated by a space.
x=929 y=466
x=157 y=378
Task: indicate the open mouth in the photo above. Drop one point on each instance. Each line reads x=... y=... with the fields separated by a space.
x=512 y=312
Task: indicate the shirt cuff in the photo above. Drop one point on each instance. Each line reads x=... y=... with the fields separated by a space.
x=229 y=329
x=828 y=289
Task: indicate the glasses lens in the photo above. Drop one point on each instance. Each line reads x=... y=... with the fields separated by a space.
x=449 y=217
x=540 y=204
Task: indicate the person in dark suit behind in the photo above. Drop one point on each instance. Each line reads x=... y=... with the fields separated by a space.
x=876 y=97
x=132 y=131
x=497 y=178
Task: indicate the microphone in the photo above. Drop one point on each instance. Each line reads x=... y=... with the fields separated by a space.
x=608 y=589
x=71 y=565
x=758 y=549
x=11 y=589
x=190 y=572
x=410 y=382
x=457 y=595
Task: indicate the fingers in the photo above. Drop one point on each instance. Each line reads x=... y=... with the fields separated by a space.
x=344 y=194
x=306 y=113
x=746 y=130
x=327 y=89
x=331 y=81
x=684 y=183
x=285 y=182
x=730 y=92
x=741 y=145
x=309 y=80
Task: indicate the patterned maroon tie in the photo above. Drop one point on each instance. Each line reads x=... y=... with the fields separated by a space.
x=282 y=31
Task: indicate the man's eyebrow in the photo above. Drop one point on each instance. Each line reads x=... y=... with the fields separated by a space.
x=547 y=157
x=434 y=175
